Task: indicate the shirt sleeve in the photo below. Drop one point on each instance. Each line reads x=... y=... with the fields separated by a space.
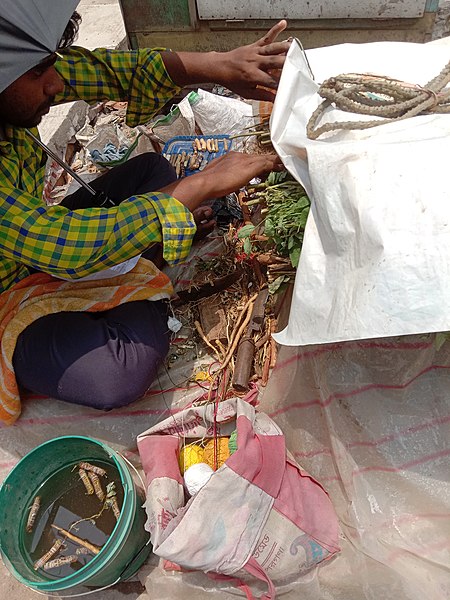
x=137 y=77
x=74 y=244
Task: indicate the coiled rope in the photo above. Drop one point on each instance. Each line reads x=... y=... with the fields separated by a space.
x=391 y=99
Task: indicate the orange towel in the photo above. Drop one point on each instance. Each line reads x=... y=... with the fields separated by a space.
x=41 y=294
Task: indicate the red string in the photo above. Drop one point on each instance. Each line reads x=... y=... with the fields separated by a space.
x=220 y=395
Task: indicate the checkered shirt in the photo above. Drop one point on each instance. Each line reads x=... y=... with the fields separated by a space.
x=73 y=244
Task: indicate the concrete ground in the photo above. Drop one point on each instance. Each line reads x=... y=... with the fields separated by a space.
x=442 y=23
x=111 y=33
x=58 y=127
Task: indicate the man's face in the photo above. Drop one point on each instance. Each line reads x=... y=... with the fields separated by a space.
x=29 y=98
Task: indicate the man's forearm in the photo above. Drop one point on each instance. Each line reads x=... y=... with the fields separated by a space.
x=191 y=191
x=221 y=177
x=191 y=68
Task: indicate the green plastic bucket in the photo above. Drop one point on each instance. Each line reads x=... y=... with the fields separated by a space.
x=126 y=549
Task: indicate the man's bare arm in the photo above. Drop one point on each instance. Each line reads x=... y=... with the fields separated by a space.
x=251 y=71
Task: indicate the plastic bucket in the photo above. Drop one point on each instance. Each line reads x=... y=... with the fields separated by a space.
x=127 y=547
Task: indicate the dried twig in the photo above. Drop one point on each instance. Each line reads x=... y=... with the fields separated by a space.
x=243 y=314
x=199 y=329
x=236 y=336
x=59 y=562
x=262 y=340
x=96 y=485
x=48 y=555
x=91 y=547
x=33 y=514
x=266 y=365
x=221 y=347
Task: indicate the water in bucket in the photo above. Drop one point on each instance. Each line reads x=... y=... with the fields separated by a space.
x=71 y=503
x=49 y=471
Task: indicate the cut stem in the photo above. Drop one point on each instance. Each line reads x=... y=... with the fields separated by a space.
x=91 y=547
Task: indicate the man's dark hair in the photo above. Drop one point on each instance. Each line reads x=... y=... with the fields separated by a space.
x=70 y=32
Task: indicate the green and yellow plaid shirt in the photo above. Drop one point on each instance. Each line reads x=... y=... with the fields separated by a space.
x=73 y=244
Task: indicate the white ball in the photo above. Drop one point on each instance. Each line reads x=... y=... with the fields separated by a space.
x=196 y=477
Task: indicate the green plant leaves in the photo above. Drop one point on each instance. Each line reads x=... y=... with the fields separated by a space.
x=246 y=231
x=287 y=209
x=275 y=285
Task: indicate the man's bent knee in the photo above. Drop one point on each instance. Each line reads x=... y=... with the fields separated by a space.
x=108 y=390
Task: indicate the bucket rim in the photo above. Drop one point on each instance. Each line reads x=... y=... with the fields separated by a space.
x=107 y=552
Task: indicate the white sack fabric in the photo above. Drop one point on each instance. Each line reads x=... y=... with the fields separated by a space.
x=376 y=256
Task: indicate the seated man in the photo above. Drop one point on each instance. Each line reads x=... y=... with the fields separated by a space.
x=93 y=341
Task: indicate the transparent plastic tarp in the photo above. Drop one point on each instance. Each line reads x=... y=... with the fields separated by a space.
x=371 y=421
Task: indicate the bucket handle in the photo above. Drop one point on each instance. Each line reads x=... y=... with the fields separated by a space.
x=130 y=464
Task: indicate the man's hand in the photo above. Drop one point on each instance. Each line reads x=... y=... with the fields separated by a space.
x=221 y=177
x=254 y=71
x=251 y=71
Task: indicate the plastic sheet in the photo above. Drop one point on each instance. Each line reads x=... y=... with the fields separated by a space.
x=371 y=421
x=375 y=257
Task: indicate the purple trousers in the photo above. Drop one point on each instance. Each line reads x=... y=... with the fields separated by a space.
x=106 y=359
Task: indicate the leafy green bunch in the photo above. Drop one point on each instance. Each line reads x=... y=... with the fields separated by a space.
x=285 y=208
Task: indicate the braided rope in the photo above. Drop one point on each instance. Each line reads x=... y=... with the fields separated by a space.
x=390 y=99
